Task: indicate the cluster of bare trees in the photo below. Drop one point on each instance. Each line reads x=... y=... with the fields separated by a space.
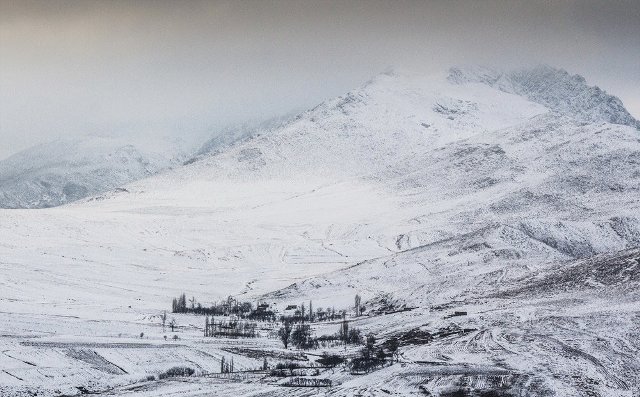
x=305 y=313
x=349 y=336
x=229 y=329
x=226 y=366
x=301 y=337
x=373 y=355
x=172 y=323
x=284 y=333
x=179 y=304
x=226 y=307
x=307 y=382
x=262 y=311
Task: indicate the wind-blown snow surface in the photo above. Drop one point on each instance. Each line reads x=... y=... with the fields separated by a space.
x=426 y=193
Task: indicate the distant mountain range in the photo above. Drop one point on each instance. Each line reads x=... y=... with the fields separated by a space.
x=63 y=171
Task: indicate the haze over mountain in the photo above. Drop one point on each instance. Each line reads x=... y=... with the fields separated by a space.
x=511 y=197
x=67 y=170
x=160 y=67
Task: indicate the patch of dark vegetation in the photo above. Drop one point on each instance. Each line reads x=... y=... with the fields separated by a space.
x=415 y=336
x=330 y=360
x=418 y=336
x=301 y=337
x=283 y=369
x=456 y=314
x=176 y=372
x=452 y=329
x=372 y=356
x=262 y=353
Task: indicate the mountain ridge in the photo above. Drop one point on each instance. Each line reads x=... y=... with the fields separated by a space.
x=552 y=87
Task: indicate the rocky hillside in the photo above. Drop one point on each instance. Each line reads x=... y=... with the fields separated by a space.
x=63 y=171
x=554 y=88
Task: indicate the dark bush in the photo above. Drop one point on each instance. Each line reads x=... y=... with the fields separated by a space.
x=330 y=360
x=176 y=372
x=282 y=368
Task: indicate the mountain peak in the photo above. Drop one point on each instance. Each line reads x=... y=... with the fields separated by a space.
x=554 y=88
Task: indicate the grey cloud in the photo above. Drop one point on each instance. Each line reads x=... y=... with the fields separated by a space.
x=188 y=67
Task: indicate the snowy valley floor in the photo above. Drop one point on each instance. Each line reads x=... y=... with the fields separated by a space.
x=83 y=291
x=555 y=335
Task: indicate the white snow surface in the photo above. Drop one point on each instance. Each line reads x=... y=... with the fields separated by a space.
x=420 y=191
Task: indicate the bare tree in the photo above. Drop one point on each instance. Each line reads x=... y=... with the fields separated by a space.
x=174 y=306
x=172 y=324
x=284 y=333
x=393 y=344
x=344 y=331
x=357 y=304
x=301 y=336
x=164 y=319
x=370 y=344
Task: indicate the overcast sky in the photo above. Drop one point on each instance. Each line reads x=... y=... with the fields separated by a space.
x=188 y=67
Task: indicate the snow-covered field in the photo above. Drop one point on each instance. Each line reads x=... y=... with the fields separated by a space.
x=425 y=193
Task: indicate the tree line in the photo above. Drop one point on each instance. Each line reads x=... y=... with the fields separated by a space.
x=261 y=311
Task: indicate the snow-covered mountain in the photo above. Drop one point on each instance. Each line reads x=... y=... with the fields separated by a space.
x=62 y=171
x=511 y=197
x=236 y=133
x=554 y=88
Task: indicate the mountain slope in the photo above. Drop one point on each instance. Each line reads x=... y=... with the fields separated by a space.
x=452 y=157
